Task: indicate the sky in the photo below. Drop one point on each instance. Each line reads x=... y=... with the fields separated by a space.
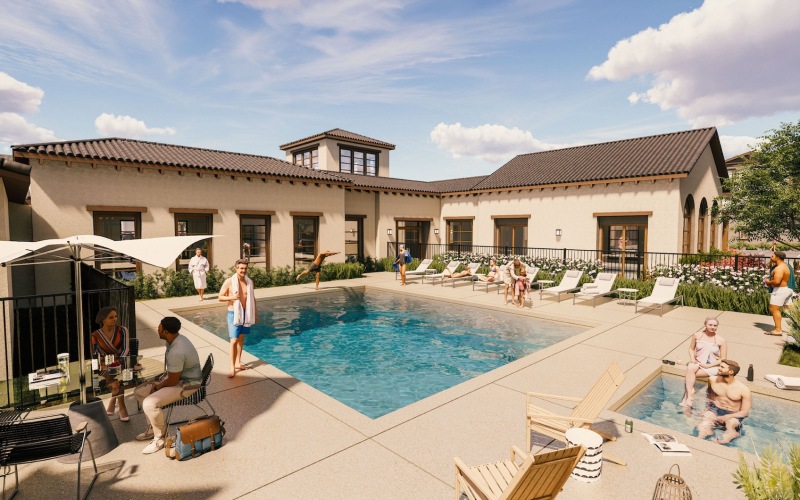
x=459 y=86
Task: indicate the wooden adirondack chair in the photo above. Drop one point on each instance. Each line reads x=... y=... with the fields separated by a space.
x=539 y=476
x=583 y=415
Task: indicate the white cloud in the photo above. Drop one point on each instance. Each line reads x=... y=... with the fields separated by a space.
x=492 y=143
x=733 y=145
x=14 y=129
x=724 y=62
x=18 y=97
x=126 y=126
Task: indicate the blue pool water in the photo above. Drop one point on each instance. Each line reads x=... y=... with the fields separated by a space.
x=377 y=352
x=771 y=421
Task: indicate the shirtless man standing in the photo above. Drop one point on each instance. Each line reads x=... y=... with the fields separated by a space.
x=730 y=404
x=315 y=266
x=782 y=292
x=237 y=291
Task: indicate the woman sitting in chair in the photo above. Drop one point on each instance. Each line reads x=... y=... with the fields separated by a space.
x=111 y=339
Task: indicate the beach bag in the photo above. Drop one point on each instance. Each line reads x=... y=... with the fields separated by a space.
x=396 y=267
x=672 y=487
x=194 y=438
x=408 y=257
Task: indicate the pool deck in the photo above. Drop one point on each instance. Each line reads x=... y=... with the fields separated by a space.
x=286 y=440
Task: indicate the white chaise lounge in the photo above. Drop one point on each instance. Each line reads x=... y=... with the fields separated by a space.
x=569 y=284
x=663 y=293
x=601 y=287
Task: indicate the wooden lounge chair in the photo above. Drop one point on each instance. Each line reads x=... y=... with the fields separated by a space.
x=539 y=476
x=601 y=287
x=583 y=415
x=498 y=280
x=663 y=293
x=569 y=284
x=452 y=266
x=472 y=267
x=421 y=270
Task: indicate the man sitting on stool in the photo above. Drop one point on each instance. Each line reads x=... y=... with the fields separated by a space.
x=182 y=370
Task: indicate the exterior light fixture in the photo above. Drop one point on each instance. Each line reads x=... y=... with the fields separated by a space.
x=558 y=233
x=388 y=232
x=436 y=230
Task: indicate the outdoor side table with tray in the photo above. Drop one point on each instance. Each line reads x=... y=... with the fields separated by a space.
x=626 y=296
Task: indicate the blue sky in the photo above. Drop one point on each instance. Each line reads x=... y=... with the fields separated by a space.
x=460 y=87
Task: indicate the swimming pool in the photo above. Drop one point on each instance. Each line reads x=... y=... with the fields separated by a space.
x=771 y=421
x=377 y=352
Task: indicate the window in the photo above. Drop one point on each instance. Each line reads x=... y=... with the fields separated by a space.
x=308 y=158
x=189 y=225
x=118 y=226
x=254 y=235
x=353 y=161
x=413 y=234
x=305 y=240
x=701 y=225
x=622 y=243
x=511 y=235
x=688 y=213
x=714 y=223
x=353 y=237
x=459 y=235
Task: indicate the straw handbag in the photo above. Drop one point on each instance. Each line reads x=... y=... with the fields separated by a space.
x=672 y=487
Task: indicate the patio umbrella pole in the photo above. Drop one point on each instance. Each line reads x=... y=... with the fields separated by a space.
x=76 y=252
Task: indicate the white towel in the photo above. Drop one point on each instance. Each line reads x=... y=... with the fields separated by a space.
x=782 y=382
x=243 y=316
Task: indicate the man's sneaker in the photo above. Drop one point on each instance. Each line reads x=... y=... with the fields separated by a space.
x=154 y=446
x=146 y=435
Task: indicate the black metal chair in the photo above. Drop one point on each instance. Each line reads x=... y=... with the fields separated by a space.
x=42 y=438
x=196 y=397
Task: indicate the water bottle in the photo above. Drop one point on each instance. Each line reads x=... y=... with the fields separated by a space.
x=629 y=426
x=750 y=373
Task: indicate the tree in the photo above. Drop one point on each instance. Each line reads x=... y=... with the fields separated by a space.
x=764 y=195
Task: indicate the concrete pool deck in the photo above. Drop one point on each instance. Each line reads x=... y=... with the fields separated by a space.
x=288 y=440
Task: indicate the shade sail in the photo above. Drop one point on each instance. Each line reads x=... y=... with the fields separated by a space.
x=159 y=252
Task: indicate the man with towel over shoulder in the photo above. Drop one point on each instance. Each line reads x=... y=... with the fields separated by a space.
x=237 y=291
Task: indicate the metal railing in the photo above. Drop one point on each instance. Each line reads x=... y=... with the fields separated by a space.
x=630 y=264
x=37 y=328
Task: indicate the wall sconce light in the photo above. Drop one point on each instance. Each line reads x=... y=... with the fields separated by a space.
x=558 y=233
x=436 y=230
x=388 y=232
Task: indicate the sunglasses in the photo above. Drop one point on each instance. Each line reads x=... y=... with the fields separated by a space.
x=667 y=362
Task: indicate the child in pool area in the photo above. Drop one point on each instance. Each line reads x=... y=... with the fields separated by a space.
x=523 y=286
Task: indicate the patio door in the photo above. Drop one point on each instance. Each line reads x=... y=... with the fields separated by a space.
x=413 y=235
x=622 y=244
x=511 y=236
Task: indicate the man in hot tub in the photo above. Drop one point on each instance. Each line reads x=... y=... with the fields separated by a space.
x=729 y=404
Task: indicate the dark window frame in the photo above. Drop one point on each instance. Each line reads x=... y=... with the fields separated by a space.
x=137 y=221
x=350 y=152
x=297 y=244
x=205 y=244
x=267 y=219
x=313 y=160
x=451 y=232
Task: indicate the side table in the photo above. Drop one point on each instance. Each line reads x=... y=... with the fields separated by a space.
x=626 y=295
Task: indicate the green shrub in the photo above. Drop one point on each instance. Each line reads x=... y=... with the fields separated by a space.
x=772 y=478
x=145 y=287
x=713 y=255
x=793 y=319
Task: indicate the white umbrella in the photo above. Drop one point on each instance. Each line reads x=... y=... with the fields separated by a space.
x=160 y=252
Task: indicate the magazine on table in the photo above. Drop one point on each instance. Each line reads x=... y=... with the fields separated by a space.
x=667 y=444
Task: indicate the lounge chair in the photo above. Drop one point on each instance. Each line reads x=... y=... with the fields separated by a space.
x=498 y=280
x=421 y=270
x=472 y=267
x=452 y=266
x=583 y=415
x=663 y=293
x=601 y=287
x=569 y=284
x=539 y=476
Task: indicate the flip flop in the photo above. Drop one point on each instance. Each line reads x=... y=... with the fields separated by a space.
x=774 y=334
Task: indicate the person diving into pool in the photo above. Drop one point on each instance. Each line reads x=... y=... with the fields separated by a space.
x=315 y=266
x=729 y=404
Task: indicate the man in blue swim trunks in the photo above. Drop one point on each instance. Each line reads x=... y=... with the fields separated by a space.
x=730 y=403
x=237 y=291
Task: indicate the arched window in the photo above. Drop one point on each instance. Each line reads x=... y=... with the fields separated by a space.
x=688 y=213
x=713 y=243
x=702 y=219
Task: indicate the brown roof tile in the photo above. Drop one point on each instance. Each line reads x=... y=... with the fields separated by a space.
x=392 y=183
x=153 y=153
x=338 y=133
x=665 y=154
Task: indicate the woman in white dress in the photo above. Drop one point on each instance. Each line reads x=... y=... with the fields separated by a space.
x=198 y=266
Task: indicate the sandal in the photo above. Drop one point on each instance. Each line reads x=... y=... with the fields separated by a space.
x=773 y=333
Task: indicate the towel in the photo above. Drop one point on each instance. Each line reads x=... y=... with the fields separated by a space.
x=782 y=382
x=243 y=316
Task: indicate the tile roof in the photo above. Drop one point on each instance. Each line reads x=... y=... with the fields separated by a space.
x=665 y=154
x=338 y=133
x=393 y=183
x=152 y=153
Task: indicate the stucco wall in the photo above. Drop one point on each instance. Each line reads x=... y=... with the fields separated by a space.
x=403 y=206
x=60 y=194
x=702 y=183
x=571 y=210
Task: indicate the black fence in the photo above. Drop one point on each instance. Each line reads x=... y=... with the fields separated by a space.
x=39 y=327
x=630 y=264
